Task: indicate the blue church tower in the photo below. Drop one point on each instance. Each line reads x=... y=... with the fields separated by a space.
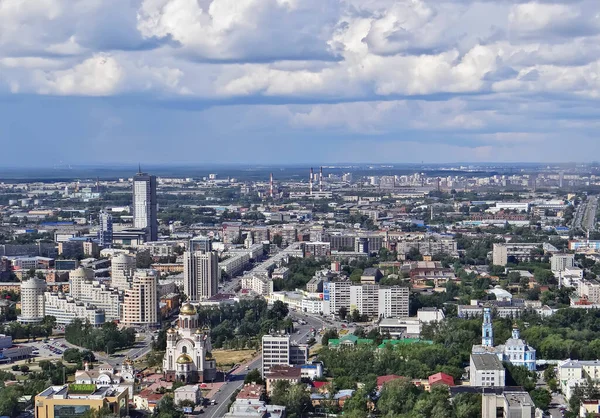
x=487 y=331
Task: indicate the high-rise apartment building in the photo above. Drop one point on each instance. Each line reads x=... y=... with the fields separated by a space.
x=200 y=243
x=140 y=304
x=393 y=302
x=83 y=288
x=145 y=205
x=200 y=275
x=32 y=300
x=105 y=229
x=279 y=350
x=335 y=296
x=122 y=267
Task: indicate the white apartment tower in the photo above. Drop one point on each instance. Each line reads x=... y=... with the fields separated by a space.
x=200 y=275
x=32 y=300
x=393 y=302
x=145 y=205
x=122 y=267
x=140 y=305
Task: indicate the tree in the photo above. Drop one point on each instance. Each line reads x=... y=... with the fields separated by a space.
x=166 y=409
x=328 y=335
x=277 y=240
x=254 y=376
x=541 y=398
x=143 y=259
x=295 y=398
x=343 y=312
x=9 y=401
x=355 y=317
x=279 y=310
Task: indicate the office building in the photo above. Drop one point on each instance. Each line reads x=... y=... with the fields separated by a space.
x=145 y=205
x=64 y=401
x=187 y=357
x=561 y=262
x=200 y=275
x=122 y=267
x=140 y=303
x=279 y=350
x=105 y=229
x=486 y=370
x=32 y=301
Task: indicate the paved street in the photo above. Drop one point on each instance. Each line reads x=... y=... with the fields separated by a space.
x=236 y=382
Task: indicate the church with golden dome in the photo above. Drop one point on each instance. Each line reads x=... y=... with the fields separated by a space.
x=188 y=358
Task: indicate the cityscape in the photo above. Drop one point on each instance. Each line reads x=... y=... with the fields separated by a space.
x=299 y=209
x=458 y=290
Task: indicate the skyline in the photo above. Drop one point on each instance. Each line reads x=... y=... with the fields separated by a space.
x=288 y=81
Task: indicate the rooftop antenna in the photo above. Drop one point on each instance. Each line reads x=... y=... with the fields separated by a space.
x=139 y=168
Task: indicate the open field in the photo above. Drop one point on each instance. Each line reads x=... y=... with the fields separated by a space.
x=231 y=357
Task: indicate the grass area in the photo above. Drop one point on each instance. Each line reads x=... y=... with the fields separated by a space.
x=231 y=357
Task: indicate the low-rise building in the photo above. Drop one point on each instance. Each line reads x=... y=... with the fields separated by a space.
x=486 y=370
x=508 y=404
x=76 y=400
x=188 y=393
x=281 y=372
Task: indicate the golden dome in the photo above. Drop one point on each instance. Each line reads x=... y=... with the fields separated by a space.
x=187 y=309
x=198 y=331
x=171 y=331
x=184 y=359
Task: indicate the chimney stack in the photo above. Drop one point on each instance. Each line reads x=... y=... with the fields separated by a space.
x=271 y=186
x=310 y=181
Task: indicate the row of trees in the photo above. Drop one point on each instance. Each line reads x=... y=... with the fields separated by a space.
x=107 y=338
x=22 y=331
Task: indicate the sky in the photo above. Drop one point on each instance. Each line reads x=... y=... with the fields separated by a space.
x=293 y=81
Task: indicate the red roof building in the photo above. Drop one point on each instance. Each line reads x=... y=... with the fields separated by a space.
x=441 y=379
x=381 y=380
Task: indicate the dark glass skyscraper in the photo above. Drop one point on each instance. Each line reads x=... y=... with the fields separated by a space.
x=145 y=206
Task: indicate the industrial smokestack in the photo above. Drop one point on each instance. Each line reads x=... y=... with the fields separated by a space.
x=271 y=186
x=310 y=181
x=321 y=179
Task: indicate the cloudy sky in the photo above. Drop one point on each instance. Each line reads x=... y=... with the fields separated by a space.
x=292 y=81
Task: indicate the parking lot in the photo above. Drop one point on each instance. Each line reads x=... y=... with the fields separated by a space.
x=49 y=349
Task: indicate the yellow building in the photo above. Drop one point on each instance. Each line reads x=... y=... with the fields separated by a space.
x=74 y=400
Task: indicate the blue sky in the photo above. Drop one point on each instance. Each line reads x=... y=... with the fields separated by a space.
x=292 y=81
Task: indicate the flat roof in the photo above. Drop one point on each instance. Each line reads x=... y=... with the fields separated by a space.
x=486 y=362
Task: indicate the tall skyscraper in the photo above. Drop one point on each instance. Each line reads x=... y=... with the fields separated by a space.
x=200 y=275
x=140 y=305
x=105 y=232
x=145 y=206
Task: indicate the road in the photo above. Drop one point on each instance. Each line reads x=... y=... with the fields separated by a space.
x=224 y=395
x=589 y=217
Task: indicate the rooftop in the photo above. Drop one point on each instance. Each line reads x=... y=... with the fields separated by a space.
x=486 y=362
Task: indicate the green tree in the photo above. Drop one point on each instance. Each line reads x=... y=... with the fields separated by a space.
x=295 y=398
x=254 y=376
x=541 y=398
x=9 y=400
